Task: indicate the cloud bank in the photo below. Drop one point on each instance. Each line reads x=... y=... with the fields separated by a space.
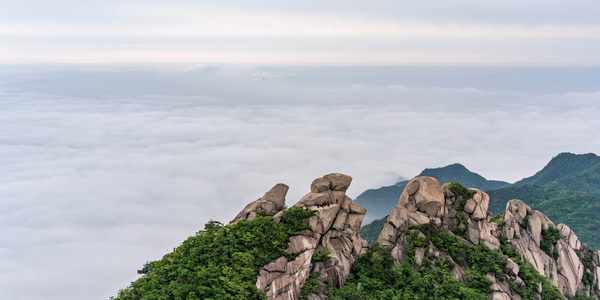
x=105 y=168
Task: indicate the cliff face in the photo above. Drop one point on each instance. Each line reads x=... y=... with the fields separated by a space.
x=554 y=251
x=329 y=248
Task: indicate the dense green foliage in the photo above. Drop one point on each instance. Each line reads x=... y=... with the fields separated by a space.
x=550 y=236
x=380 y=278
x=371 y=231
x=311 y=286
x=321 y=255
x=460 y=191
x=567 y=190
x=562 y=166
x=219 y=262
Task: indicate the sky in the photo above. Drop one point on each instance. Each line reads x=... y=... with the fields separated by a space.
x=125 y=126
x=550 y=32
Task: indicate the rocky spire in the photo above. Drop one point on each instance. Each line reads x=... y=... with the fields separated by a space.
x=273 y=202
x=333 y=235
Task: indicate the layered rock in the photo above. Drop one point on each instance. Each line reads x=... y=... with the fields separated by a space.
x=524 y=229
x=273 y=202
x=425 y=201
x=334 y=230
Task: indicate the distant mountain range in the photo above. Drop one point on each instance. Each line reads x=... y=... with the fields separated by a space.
x=567 y=190
x=379 y=202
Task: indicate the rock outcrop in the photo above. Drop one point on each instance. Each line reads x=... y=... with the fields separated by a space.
x=332 y=244
x=569 y=265
x=333 y=235
x=273 y=202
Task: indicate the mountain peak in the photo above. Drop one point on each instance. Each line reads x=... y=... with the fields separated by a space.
x=563 y=165
x=458 y=172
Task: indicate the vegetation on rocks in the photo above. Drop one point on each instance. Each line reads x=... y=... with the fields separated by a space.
x=550 y=236
x=566 y=190
x=219 y=262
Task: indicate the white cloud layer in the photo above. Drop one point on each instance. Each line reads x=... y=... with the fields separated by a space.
x=105 y=168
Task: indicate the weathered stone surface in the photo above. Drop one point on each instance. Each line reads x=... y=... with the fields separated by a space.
x=334 y=227
x=357 y=209
x=339 y=182
x=511 y=267
x=301 y=243
x=320 y=185
x=272 y=203
x=470 y=206
x=419 y=217
x=278 y=265
x=569 y=236
x=571 y=266
x=500 y=296
x=398 y=217
x=424 y=194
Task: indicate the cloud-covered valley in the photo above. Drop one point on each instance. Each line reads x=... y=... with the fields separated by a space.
x=105 y=168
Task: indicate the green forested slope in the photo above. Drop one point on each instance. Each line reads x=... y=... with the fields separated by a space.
x=562 y=166
x=458 y=173
x=370 y=232
x=567 y=190
x=219 y=262
x=379 y=202
x=375 y=276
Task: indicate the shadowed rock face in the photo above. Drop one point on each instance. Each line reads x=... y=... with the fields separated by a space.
x=334 y=229
x=425 y=201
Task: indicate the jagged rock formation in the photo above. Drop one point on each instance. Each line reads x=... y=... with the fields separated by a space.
x=272 y=202
x=334 y=230
x=563 y=259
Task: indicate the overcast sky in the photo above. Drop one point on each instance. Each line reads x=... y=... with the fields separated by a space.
x=127 y=125
x=302 y=32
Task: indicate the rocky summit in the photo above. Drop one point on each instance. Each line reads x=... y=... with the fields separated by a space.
x=439 y=242
x=333 y=234
x=563 y=260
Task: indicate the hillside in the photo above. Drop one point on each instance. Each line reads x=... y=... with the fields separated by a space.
x=379 y=202
x=567 y=189
x=437 y=243
x=560 y=167
x=458 y=173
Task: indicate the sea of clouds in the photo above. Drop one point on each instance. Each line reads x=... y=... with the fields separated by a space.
x=106 y=167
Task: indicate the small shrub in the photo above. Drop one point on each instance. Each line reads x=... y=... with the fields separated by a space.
x=321 y=256
x=460 y=191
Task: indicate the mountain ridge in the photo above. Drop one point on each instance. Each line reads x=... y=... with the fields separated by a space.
x=439 y=241
x=378 y=202
x=571 y=186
